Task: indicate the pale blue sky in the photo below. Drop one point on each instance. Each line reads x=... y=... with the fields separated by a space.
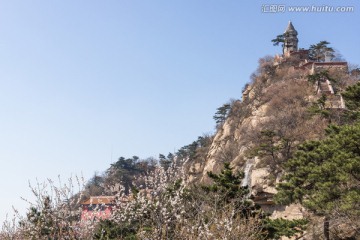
x=85 y=82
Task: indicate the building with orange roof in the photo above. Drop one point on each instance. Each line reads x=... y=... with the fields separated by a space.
x=99 y=207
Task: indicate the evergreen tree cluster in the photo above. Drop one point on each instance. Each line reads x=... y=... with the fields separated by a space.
x=324 y=175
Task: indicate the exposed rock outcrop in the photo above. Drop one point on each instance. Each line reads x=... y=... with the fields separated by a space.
x=278 y=101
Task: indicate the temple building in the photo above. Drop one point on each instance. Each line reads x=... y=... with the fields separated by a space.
x=96 y=208
x=309 y=66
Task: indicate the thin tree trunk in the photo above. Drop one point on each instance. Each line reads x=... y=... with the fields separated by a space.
x=327 y=228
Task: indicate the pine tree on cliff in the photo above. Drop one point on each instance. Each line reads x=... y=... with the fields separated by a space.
x=324 y=176
x=222 y=113
x=352 y=100
x=228 y=184
x=317 y=52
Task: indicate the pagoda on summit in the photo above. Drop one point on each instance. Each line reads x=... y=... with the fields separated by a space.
x=290 y=48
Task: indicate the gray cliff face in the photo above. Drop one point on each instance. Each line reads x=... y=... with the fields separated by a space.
x=233 y=140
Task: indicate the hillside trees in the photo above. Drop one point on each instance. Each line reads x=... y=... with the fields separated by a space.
x=197 y=149
x=316 y=78
x=279 y=39
x=95 y=186
x=228 y=185
x=266 y=68
x=324 y=176
x=165 y=161
x=226 y=197
x=352 y=100
x=288 y=124
x=317 y=52
x=222 y=113
x=194 y=155
x=290 y=121
x=125 y=170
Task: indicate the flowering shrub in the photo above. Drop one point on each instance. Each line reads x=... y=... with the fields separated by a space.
x=54 y=214
x=164 y=207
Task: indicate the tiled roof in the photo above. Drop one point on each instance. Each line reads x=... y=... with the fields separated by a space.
x=99 y=200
